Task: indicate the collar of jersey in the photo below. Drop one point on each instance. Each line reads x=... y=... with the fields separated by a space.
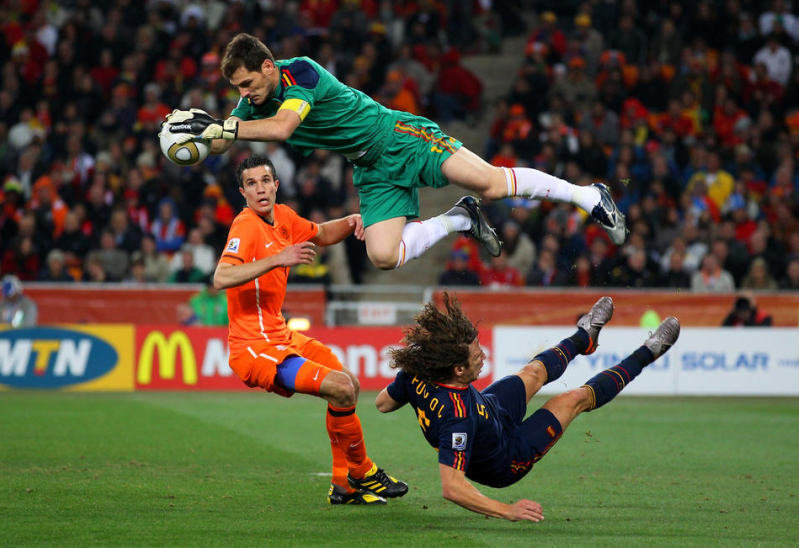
x=279 y=93
x=273 y=224
x=441 y=384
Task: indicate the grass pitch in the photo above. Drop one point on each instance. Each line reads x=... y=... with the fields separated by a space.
x=250 y=469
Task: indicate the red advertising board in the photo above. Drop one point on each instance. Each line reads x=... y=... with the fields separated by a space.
x=196 y=358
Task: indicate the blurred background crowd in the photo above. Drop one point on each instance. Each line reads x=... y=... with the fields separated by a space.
x=689 y=111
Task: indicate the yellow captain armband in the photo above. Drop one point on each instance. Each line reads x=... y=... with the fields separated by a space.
x=297 y=105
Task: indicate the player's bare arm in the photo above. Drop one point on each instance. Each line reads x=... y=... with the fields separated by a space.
x=385 y=403
x=332 y=232
x=228 y=275
x=457 y=489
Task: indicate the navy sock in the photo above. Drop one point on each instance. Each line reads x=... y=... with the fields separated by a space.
x=581 y=340
x=607 y=384
x=558 y=357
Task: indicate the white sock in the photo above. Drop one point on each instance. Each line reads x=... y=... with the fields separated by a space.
x=533 y=184
x=418 y=237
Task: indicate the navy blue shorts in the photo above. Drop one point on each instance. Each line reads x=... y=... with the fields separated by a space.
x=532 y=437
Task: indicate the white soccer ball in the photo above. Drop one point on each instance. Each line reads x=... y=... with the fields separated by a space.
x=186 y=154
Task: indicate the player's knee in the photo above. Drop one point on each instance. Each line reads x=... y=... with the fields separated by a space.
x=496 y=186
x=568 y=405
x=535 y=372
x=343 y=391
x=384 y=259
x=576 y=400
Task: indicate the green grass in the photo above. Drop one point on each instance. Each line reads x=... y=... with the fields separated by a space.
x=246 y=469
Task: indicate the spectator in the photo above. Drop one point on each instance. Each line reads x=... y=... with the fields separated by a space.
x=777 y=59
x=549 y=34
x=546 y=273
x=22 y=259
x=205 y=258
x=746 y=314
x=790 y=280
x=56 y=268
x=188 y=273
x=590 y=40
x=168 y=229
x=16 y=309
x=576 y=88
x=458 y=271
x=210 y=306
x=156 y=263
x=711 y=278
x=50 y=210
x=629 y=40
x=582 y=275
x=114 y=260
x=675 y=276
x=458 y=91
x=185 y=315
x=518 y=246
x=136 y=276
x=634 y=272
x=759 y=277
x=127 y=236
x=73 y=241
x=500 y=274
x=395 y=95
x=94 y=270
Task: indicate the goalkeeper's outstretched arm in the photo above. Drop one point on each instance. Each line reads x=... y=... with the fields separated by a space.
x=198 y=124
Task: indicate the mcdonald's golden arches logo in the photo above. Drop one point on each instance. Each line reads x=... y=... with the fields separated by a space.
x=167 y=348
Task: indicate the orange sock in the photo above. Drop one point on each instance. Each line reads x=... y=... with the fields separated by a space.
x=345 y=426
x=339 y=465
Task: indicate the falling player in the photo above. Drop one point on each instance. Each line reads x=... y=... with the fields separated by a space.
x=483 y=436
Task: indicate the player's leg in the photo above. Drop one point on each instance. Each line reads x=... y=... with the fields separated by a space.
x=466 y=169
x=388 y=191
x=550 y=364
x=605 y=386
x=541 y=430
x=393 y=242
x=355 y=471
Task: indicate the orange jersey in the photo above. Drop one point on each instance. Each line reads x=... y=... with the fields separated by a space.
x=254 y=308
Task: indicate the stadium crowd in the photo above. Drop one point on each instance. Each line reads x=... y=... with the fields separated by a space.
x=689 y=111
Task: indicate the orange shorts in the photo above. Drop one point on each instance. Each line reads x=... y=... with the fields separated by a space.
x=257 y=366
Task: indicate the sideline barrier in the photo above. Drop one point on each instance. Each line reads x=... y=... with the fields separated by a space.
x=150 y=304
x=718 y=362
x=69 y=357
x=753 y=362
x=166 y=357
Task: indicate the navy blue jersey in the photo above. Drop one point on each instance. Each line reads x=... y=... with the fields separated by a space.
x=470 y=430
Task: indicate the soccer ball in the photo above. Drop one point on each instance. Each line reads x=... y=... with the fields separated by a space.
x=188 y=154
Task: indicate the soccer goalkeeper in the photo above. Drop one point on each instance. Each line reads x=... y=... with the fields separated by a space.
x=395 y=153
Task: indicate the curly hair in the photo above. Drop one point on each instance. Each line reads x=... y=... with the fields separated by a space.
x=245 y=51
x=437 y=343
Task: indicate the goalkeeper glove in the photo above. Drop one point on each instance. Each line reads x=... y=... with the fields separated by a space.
x=198 y=124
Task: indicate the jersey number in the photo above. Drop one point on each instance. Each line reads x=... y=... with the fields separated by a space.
x=424 y=422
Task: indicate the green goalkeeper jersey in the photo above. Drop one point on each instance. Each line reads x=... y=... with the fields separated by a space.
x=334 y=116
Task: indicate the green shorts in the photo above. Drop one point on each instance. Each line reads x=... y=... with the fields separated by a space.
x=412 y=157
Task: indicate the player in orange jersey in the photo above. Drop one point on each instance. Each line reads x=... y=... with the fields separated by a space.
x=266 y=239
